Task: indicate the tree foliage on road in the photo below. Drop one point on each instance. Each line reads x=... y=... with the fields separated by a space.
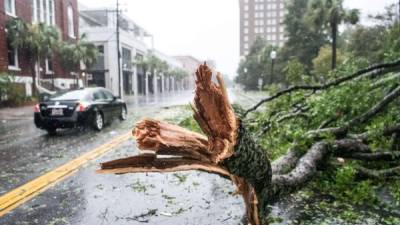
x=338 y=128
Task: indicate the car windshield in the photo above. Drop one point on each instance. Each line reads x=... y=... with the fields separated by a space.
x=72 y=95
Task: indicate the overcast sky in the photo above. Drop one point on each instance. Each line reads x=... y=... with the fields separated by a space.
x=205 y=29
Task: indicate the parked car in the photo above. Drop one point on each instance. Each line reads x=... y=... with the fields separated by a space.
x=93 y=107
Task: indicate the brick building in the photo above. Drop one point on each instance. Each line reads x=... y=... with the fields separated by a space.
x=261 y=18
x=60 y=13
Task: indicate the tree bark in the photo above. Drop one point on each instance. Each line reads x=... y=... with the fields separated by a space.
x=334 y=45
x=334 y=27
x=33 y=71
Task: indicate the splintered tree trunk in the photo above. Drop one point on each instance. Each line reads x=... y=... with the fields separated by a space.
x=227 y=149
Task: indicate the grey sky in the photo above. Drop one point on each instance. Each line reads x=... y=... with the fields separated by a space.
x=206 y=29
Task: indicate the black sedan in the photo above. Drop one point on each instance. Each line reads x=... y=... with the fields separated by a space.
x=78 y=108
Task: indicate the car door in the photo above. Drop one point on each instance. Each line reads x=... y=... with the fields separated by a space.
x=102 y=104
x=114 y=105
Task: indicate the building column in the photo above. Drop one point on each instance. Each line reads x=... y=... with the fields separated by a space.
x=135 y=81
x=168 y=88
x=146 y=79
x=162 y=83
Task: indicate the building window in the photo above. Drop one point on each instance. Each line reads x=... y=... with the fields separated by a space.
x=12 y=56
x=259 y=7
x=51 y=17
x=246 y=38
x=49 y=65
x=9 y=6
x=43 y=11
x=246 y=7
x=246 y=15
x=259 y=14
x=71 y=28
x=126 y=59
x=259 y=22
x=246 y=23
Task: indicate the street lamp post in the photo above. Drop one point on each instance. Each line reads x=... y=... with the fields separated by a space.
x=273 y=57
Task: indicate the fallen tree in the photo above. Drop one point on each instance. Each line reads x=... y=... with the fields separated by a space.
x=229 y=149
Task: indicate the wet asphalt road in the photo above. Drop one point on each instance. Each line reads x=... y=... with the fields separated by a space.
x=88 y=198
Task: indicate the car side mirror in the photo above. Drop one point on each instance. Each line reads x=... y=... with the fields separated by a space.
x=115 y=98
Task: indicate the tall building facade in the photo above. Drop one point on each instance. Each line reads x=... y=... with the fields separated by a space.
x=261 y=18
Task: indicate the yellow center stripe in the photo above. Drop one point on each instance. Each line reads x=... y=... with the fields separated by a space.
x=16 y=197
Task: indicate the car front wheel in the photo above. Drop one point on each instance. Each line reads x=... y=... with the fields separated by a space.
x=123 y=113
x=98 y=121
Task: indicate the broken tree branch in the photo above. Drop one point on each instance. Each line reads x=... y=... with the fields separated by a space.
x=286 y=162
x=228 y=150
x=304 y=170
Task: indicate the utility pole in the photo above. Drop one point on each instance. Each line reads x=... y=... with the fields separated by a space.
x=398 y=12
x=119 y=52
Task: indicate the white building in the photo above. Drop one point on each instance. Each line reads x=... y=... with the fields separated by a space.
x=100 y=28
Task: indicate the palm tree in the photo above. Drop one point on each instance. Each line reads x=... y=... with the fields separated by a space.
x=151 y=63
x=72 y=55
x=329 y=14
x=37 y=40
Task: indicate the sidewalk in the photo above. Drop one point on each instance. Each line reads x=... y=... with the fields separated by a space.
x=17 y=113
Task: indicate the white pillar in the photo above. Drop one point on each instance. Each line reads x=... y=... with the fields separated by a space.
x=135 y=81
x=28 y=89
x=146 y=88
x=162 y=83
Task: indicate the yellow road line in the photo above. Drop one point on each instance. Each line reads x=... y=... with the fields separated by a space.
x=16 y=197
